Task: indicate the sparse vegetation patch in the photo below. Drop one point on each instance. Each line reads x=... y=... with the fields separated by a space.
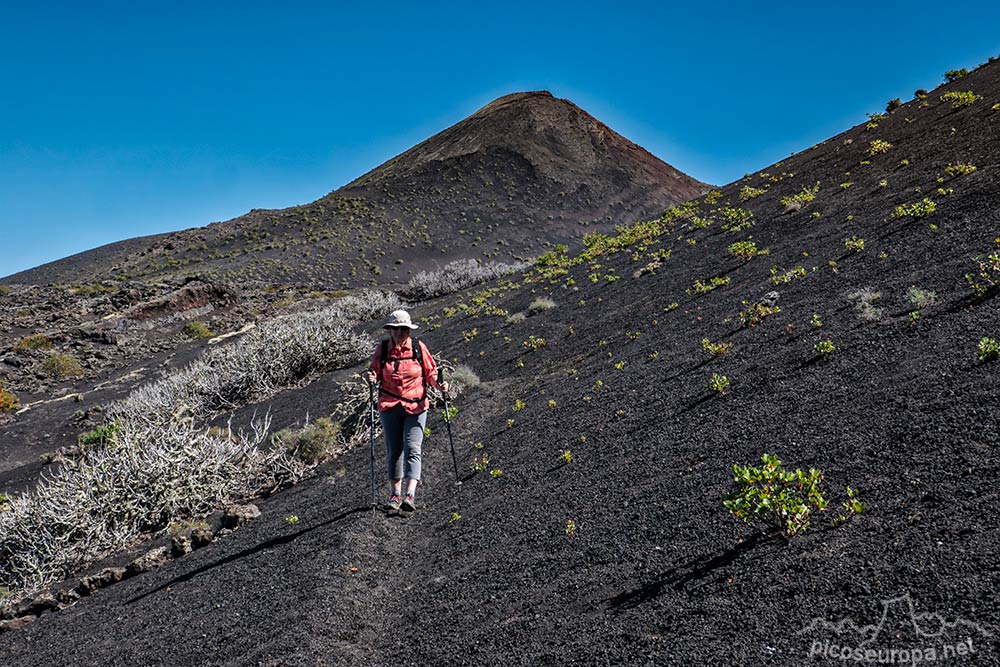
x=918 y=209
x=779 y=277
x=62 y=366
x=746 y=250
x=988 y=275
x=959 y=169
x=197 y=329
x=456 y=276
x=864 y=301
x=33 y=342
x=798 y=201
x=705 y=286
x=755 y=313
x=8 y=401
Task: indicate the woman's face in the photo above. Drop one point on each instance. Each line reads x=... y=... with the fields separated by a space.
x=399 y=334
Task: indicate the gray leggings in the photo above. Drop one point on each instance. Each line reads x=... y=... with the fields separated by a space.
x=404 y=434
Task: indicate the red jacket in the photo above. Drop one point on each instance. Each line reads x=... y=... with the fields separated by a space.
x=403 y=380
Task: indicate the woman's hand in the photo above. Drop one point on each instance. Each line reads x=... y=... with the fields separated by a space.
x=369 y=376
x=444 y=387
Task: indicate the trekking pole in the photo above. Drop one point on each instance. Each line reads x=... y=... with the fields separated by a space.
x=447 y=422
x=371 y=415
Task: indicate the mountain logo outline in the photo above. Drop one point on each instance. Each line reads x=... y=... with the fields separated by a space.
x=925 y=625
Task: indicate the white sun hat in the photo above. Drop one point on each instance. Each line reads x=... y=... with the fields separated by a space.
x=399 y=318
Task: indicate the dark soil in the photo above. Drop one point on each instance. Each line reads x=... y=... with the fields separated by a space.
x=656 y=572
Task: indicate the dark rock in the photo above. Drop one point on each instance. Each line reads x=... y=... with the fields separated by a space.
x=148 y=561
x=16 y=623
x=44 y=601
x=180 y=545
x=106 y=577
x=237 y=515
x=67 y=596
x=200 y=538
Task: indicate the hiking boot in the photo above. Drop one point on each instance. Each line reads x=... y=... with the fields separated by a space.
x=408 y=505
x=392 y=505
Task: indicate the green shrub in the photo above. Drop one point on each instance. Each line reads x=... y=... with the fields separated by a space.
x=718 y=383
x=5 y=290
x=755 y=313
x=8 y=401
x=782 y=501
x=735 y=219
x=101 y=435
x=197 y=329
x=746 y=250
x=33 y=342
x=855 y=244
x=959 y=169
x=878 y=147
x=703 y=287
x=874 y=119
x=988 y=275
x=953 y=75
x=747 y=192
x=989 y=350
x=825 y=347
x=893 y=104
x=534 y=343
x=803 y=198
x=917 y=209
x=62 y=366
x=779 y=277
x=712 y=197
x=715 y=349
x=959 y=99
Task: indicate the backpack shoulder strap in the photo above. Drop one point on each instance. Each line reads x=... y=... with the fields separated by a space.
x=385 y=352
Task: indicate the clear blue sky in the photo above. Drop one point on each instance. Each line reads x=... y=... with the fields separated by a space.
x=123 y=118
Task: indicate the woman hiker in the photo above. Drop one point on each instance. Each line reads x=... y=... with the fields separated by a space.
x=404 y=368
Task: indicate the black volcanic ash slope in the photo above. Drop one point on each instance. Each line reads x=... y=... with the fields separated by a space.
x=525 y=171
x=654 y=572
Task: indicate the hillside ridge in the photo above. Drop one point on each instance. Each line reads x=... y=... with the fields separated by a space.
x=522 y=173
